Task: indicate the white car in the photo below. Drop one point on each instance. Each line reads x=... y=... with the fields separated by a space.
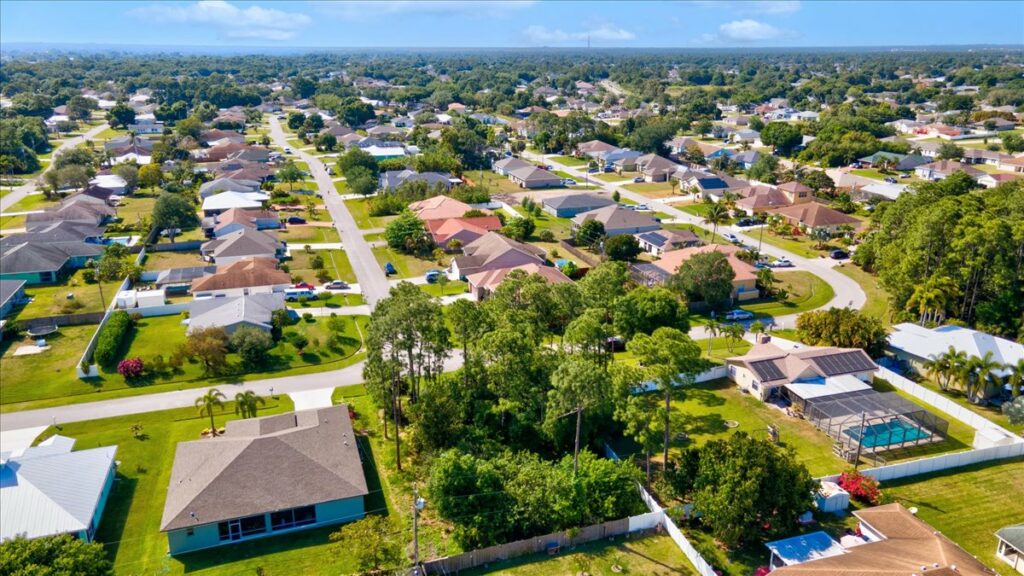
x=738 y=315
x=782 y=263
x=569 y=182
x=731 y=237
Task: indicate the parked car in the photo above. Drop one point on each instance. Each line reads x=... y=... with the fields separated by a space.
x=432 y=275
x=389 y=269
x=549 y=167
x=569 y=182
x=294 y=294
x=738 y=314
x=782 y=263
x=839 y=255
x=731 y=237
x=642 y=207
x=336 y=285
x=744 y=222
x=304 y=286
x=287 y=150
x=638 y=179
x=855 y=165
x=330 y=170
x=296 y=220
x=890 y=180
x=905 y=175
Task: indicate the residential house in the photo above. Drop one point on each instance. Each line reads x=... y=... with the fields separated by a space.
x=447 y=232
x=744 y=282
x=80 y=208
x=439 y=208
x=112 y=182
x=569 y=205
x=654 y=168
x=238 y=218
x=242 y=244
x=177 y=281
x=386 y=132
x=993 y=180
x=12 y=295
x=212 y=187
x=221 y=151
x=243 y=276
x=796 y=193
x=890 y=541
x=527 y=175
x=904 y=126
x=1010 y=547
x=752 y=137
x=746 y=159
x=50 y=490
x=224 y=201
x=998 y=124
x=129 y=149
x=944 y=169
x=43 y=262
x=978 y=156
x=146 y=124
x=385 y=152
x=880 y=157
x=914 y=345
x=926 y=149
x=493 y=251
x=234 y=312
x=769 y=373
x=658 y=242
x=760 y=198
x=215 y=137
x=238 y=169
x=711 y=185
x=337 y=130
x=265 y=476
x=485 y=282
x=394 y=178
x=1013 y=164
x=594 y=148
x=815 y=215
x=617 y=221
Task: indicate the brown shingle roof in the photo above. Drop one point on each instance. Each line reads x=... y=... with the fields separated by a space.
x=243 y=274
x=814 y=215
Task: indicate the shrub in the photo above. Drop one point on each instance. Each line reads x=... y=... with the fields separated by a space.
x=130 y=368
x=111 y=337
x=861 y=487
x=307 y=316
x=89 y=275
x=299 y=340
x=546 y=236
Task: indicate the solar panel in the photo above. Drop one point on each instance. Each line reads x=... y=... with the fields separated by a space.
x=844 y=363
x=767 y=371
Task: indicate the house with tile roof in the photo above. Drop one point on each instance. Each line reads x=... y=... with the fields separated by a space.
x=49 y=490
x=439 y=208
x=485 y=282
x=264 y=477
x=744 y=283
x=244 y=276
x=493 y=251
x=815 y=215
x=462 y=230
x=238 y=218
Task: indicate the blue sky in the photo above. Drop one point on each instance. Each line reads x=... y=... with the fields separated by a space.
x=414 y=23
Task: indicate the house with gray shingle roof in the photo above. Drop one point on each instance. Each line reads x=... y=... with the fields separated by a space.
x=569 y=205
x=242 y=244
x=618 y=221
x=234 y=312
x=263 y=477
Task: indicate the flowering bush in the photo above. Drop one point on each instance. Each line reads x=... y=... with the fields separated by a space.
x=861 y=487
x=130 y=367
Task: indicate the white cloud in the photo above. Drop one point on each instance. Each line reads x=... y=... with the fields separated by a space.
x=749 y=31
x=537 y=34
x=253 y=22
x=354 y=10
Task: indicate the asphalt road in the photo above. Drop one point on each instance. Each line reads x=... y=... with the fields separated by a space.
x=372 y=280
x=25 y=189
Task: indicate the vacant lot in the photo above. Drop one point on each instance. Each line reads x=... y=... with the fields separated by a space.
x=654 y=190
x=570 y=160
x=360 y=210
x=654 y=555
x=73 y=296
x=406 y=265
x=299 y=235
x=167 y=260
x=335 y=262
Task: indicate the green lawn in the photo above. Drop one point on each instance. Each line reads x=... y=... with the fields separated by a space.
x=700 y=209
x=130 y=529
x=52 y=300
x=341 y=186
x=877 y=304
x=360 y=210
x=721 y=348
x=613 y=177
x=798 y=245
x=32 y=202
x=805 y=292
x=335 y=262
x=494 y=182
x=406 y=265
x=705 y=235
x=23 y=389
x=653 y=190
x=570 y=161
x=167 y=260
x=109 y=134
x=335 y=300
x=11 y=222
x=993 y=413
x=136 y=206
x=967 y=504
x=654 y=555
x=297 y=236
x=876 y=174
x=450 y=289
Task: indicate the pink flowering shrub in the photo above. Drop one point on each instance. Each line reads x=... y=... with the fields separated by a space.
x=860 y=487
x=130 y=367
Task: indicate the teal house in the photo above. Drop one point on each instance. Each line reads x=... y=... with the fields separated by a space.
x=264 y=477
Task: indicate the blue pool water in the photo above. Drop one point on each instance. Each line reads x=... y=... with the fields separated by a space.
x=894 y=431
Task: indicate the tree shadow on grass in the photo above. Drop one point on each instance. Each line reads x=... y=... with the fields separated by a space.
x=115 y=514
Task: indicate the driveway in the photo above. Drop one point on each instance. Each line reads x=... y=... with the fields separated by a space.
x=25 y=189
x=371 y=276
x=847 y=292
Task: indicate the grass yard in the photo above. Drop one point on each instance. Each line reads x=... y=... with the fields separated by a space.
x=967 y=504
x=613 y=177
x=109 y=134
x=335 y=262
x=360 y=210
x=705 y=235
x=653 y=190
x=700 y=209
x=654 y=555
x=450 y=289
x=492 y=181
x=136 y=206
x=131 y=523
x=571 y=161
x=406 y=265
x=877 y=304
x=22 y=389
x=806 y=292
x=334 y=300
x=299 y=235
x=52 y=300
x=167 y=260
x=721 y=348
x=32 y=202
x=341 y=186
x=799 y=245
x=11 y=222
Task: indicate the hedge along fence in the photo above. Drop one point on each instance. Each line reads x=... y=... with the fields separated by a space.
x=110 y=338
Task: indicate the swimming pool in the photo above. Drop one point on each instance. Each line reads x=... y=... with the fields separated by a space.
x=895 y=431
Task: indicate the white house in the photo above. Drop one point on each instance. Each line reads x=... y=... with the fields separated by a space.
x=915 y=344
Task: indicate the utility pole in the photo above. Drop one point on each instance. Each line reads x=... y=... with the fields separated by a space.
x=99 y=284
x=417 y=506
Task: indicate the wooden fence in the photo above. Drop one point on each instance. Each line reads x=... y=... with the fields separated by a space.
x=550 y=543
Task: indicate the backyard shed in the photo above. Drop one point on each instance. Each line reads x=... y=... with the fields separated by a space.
x=832 y=498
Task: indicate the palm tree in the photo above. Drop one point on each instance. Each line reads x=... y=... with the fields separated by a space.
x=206 y=403
x=939 y=368
x=1016 y=377
x=733 y=334
x=246 y=403
x=982 y=373
x=713 y=328
x=757 y=327
x=717 y=214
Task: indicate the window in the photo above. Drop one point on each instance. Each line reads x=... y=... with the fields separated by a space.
x=292 y=517
x=190 y=532
x=237 y=529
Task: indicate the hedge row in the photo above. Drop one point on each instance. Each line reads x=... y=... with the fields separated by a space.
x=111 y=337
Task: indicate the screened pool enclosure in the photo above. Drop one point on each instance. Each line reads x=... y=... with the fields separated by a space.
x=867 y=421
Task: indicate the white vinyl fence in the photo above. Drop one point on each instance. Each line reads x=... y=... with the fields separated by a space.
x=965 y=415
